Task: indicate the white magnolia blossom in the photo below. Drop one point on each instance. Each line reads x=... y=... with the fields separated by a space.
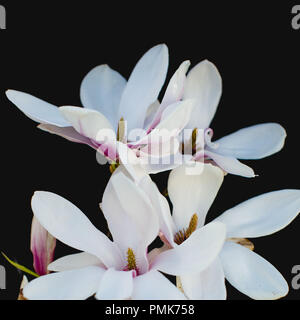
x=122 y=268
x=204 y=85
x=260 y=216
x=115 y=109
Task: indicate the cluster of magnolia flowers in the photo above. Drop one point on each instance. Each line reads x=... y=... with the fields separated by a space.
x=175 y=135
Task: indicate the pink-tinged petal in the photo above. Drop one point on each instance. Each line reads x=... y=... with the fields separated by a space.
x=131 y=218
x=75 y=261
x=131 y=164
x=251 y=274
x=68 y=133
x=174 y=91
x=90 y=123
x=69 y=225
x=101 y=90
x=77 y=284
x=262 y=215
x=231 y=165
x=42 y=247
x=255 y=142
x=204 y=84
x=37 y=109
x=192 y=189
x=195 y=254
x=115 y=285
x=143 y=86
x=154 y=286
x=206 y=285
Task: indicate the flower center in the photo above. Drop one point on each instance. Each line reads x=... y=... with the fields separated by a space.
x=184 y=234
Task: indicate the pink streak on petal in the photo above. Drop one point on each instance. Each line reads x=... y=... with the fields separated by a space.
x=42 y=247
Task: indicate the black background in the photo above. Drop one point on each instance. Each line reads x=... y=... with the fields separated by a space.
x=47 y=49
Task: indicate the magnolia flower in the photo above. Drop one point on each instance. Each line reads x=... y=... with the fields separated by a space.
x=113 y=106
x=204 y=84
x=118 y=269
x=260 y=216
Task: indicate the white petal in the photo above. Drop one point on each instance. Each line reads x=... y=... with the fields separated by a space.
x=69 y=225
x=68 y=285
x=195 y=254
x=151 y=112
x=101 y=89
x=174 y=91
x=89 y=123
x=251 y=274
x=154 y=286
x=262 y=215
x=131 y=218
x=37 y=109
x=231 y=165
x=204 y=84
x=143 y=86
x=161 y=207
x=131 y=165
x=75 y=261
x=206 y=285
x=193 y=193
x=176 y=116
x=254 y=142
x=115 y=285
x=68 y=133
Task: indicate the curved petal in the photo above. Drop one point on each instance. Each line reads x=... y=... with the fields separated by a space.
x=231 y=165
x=174 y=91
x=195 y=254
x=68 y=285
x=143 y=86
x=206 y=285
x=115 y=285
x=204 y=84
x=42 y=246
x=131 y=218
x=75 y=261
x=69 y=225
x=251 y=274
x=262 y=215
x=176 y=116
x=193 y=193
x=89 y=123
x=151 y=112
x=37 y=109
x=161 y=207
x=154 y=286
x=68 y=133
x=255 y=142
x=101 y=90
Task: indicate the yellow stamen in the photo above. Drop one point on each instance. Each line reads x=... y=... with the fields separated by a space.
x=113 y=167
x=131 y=260
x=192 y=226
x=194 y=140
x=243 y=242
x=182 y=235
x=121 y=130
